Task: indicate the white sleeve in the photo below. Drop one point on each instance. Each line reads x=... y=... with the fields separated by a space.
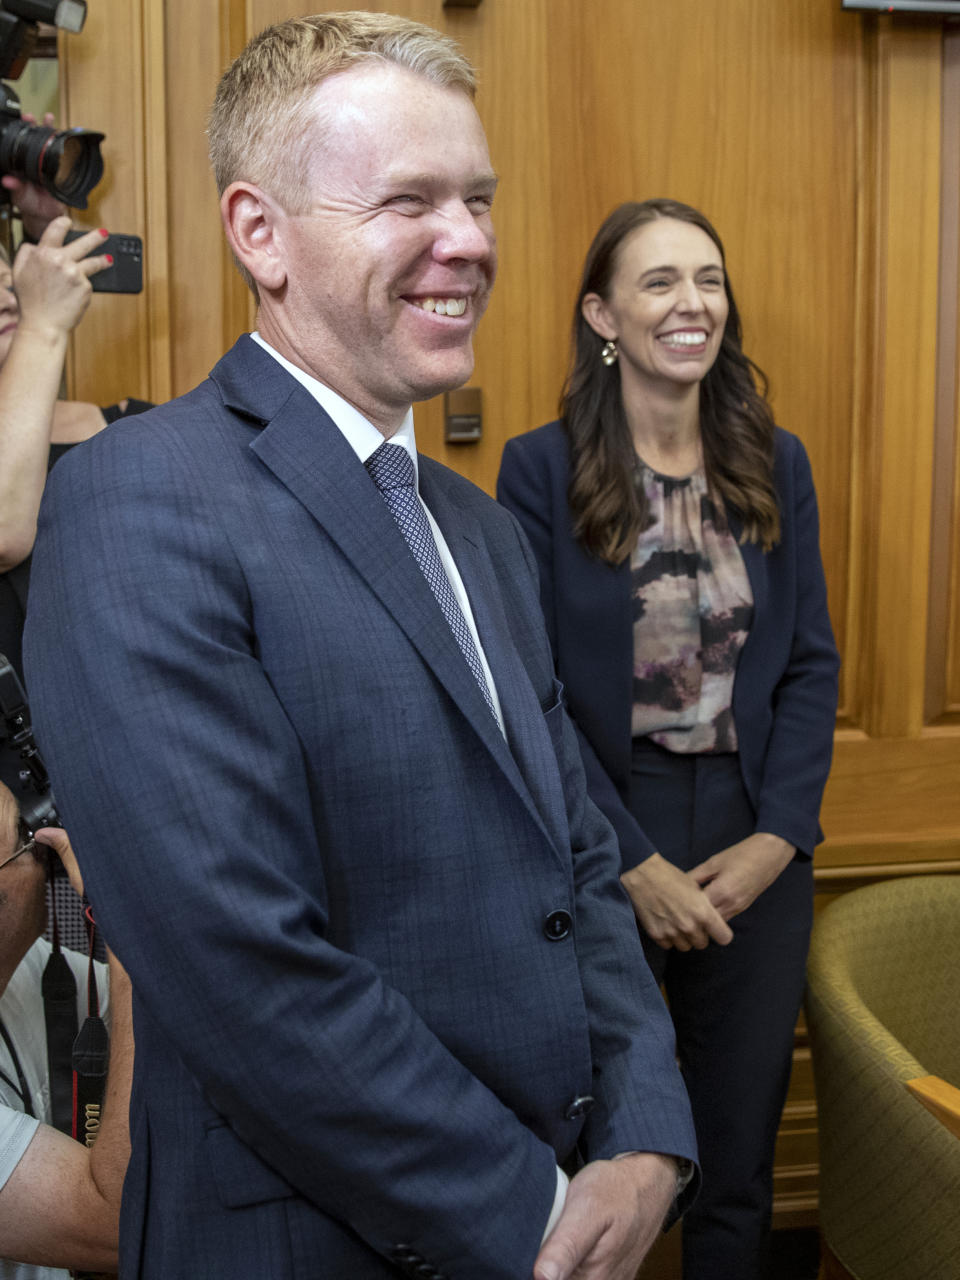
x=16 y=1134
x=559 y=1200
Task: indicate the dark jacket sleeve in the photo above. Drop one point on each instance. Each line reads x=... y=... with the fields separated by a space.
x=533 y=485
x=785 y=698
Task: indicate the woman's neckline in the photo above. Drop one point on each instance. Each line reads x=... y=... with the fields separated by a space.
x=665 y=475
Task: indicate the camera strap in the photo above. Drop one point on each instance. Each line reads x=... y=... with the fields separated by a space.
x=81 y=1060
x=59 y=990
x=76 y=1060
x=23 y=1090
x=91 y=1054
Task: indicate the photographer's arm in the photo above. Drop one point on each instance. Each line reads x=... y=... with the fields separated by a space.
x=60 y=1206
x=51 y=284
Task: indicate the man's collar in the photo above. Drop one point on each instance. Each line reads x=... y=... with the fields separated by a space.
x=359 y=432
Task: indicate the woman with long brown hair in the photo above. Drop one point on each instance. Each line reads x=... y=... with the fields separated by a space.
x=676 y=532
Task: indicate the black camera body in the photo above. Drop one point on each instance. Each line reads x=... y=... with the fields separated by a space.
x=65 y=162
x=21 y=765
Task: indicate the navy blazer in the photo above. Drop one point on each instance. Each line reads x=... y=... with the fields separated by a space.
x=785 y=688
x=377 y=953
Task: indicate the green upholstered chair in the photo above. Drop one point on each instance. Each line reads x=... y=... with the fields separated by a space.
x=883 y=1007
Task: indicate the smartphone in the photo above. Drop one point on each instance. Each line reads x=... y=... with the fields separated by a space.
x=126 y=274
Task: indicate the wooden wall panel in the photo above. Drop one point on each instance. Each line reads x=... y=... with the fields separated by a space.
x=946 y=582
x=951 y=581
x=942 y=544
x=209 y=305
x=908 y=207
x=111 y=77
x=892 y=796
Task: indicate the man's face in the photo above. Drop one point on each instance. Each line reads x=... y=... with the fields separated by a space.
x=389 y=271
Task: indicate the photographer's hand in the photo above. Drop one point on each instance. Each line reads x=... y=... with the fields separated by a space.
x=56 y=838
x=52 y=281
x=36 y=206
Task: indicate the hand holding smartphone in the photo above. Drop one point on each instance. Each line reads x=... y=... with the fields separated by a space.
x=126 y=274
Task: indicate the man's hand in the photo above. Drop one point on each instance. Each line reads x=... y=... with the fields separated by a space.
x=672 y=908
x=613 y=1212
x=737 y=875
x=36 y=206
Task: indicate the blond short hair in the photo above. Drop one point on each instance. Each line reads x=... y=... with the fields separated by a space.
x=257 y=127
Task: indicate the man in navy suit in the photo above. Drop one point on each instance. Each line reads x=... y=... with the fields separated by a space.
x=386 y=981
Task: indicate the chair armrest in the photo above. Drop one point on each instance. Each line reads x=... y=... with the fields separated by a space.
x=940 y=1098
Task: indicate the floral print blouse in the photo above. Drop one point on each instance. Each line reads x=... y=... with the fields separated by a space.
x=692 y=609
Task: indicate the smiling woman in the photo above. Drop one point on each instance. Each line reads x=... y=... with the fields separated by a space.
x=676 y=533
x=666 y=307
x=655 y=290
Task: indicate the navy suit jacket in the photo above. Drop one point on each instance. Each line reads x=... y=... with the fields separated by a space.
x=326 y=871
x=785 y=688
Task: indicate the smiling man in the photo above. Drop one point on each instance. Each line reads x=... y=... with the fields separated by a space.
x=386 y=978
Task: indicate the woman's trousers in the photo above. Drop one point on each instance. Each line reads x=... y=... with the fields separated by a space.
x=734 y=1007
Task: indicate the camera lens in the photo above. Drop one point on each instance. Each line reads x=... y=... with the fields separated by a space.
x=73 y=158
x=65 y=162
x=71 y=155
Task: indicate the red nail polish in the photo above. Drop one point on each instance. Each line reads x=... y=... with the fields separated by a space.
x=109 y=258
x=104 y=232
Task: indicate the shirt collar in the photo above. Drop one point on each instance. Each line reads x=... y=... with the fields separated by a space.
x=359 y=432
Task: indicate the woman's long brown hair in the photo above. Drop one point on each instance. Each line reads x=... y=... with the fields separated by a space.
x=736 y=424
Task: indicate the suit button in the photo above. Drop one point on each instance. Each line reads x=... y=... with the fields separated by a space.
x=404 y=1256
x=556 y=927
x=411 y=1262
x=579 y=1107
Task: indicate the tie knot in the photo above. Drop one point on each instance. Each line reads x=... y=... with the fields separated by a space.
x=391 y=467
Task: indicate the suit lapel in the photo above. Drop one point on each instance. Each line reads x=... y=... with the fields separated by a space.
x=530 y=748
x=307 y=453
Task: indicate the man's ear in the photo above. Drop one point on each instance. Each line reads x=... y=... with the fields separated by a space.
x=594 y=311
x=250 y=221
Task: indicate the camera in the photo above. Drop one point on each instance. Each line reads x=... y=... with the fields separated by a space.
x=65 y=162
x=21 y=765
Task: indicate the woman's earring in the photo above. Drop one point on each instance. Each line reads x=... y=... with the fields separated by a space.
x=609 y=353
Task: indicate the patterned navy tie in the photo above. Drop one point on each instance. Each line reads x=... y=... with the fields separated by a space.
x=391 y=469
